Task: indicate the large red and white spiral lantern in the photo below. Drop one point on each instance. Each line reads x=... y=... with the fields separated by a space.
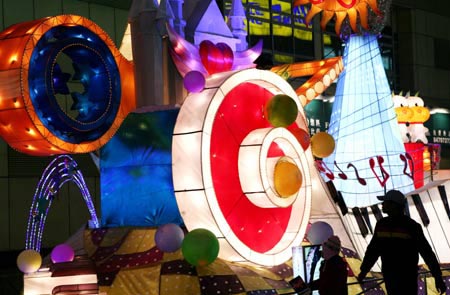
x=225 y=154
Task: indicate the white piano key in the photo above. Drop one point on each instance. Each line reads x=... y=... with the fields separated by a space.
x=439 y=227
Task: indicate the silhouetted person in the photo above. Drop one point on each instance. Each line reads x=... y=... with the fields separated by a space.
x=399 y=240
x=333 y=270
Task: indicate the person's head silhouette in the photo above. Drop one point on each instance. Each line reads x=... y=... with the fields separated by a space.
x=331 y=247
x=393 y=202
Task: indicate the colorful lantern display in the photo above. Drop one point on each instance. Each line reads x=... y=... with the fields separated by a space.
x=228 y=149
x=33 y=121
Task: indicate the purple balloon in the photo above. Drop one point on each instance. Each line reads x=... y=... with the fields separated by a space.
x=169 y=237
x=194 y=81
x=62 y=253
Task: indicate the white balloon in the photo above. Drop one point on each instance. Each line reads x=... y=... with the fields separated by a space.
x=319 y=232
x=29 y=261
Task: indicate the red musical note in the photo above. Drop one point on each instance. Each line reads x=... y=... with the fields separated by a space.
x=361 y=180
x=342 y=175
x=408 y=162
x=324 y=169
x=384 y=173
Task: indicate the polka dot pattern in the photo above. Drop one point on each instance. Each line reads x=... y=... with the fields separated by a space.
x=150 y=257
x=178 y=267
x=152 y=272
x=220 y=284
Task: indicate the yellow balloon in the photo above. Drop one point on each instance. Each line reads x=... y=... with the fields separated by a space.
x=29 y=261
x=287 y=178
x=322 y=144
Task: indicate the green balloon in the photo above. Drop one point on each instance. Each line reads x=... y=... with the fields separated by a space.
x=281 y=110
x=200 y=247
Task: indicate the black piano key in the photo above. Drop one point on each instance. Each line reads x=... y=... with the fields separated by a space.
x=332 y=190
x=444 y=199
x=376 y=212
x=341 y=203
x=360 y=221
x=337 y=197
x=419 y=206
x=365 y=215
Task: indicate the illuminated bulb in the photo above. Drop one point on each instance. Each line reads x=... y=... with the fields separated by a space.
x=332 y=74
x=30 y=131
x=310 y=94
x=426 y=160
x=326 y=80
x=178 y=48
x=303 y=99
x=319 y=87
x=13 y=59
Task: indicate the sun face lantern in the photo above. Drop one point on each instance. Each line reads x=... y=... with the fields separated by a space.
x=353 y=9
x=227 y=160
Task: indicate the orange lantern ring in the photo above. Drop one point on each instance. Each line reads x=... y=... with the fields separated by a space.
x=22 y=124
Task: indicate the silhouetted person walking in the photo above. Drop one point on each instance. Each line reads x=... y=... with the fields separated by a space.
x=399 y=240
x=333 y=270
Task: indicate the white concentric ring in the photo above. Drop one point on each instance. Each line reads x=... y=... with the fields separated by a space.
x=193 y=183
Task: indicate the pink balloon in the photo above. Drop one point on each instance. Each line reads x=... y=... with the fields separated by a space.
x=194 y=81
x=62 y=253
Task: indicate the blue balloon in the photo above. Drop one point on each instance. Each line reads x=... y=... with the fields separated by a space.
x=169 y=237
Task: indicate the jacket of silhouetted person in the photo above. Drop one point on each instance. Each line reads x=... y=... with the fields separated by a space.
x=333 y=270
x=398 y=240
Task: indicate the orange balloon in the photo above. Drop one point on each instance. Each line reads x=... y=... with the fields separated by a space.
x=322 y=144
x=302 y=137
x=287 y=178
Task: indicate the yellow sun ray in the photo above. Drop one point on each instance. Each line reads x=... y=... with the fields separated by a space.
x=314 y=10
x=340 y=16
x=326 y=16
x=363 y=13
x=373 y=4
x=352 y=17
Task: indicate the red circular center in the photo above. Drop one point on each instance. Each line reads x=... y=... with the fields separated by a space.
x=242 y=111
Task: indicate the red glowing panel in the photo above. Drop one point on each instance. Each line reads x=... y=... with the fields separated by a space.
x=241 y=112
